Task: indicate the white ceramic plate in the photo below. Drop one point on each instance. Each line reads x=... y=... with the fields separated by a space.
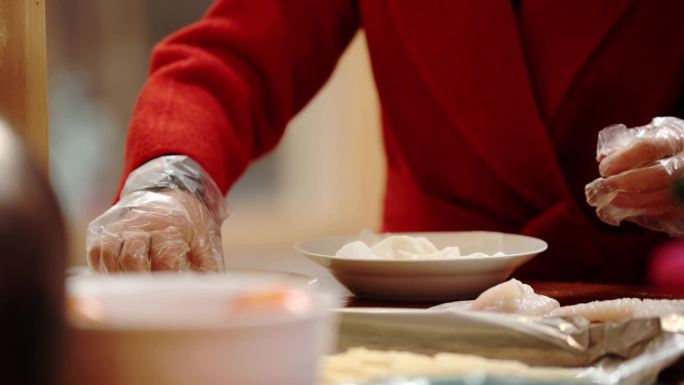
x=427 y=280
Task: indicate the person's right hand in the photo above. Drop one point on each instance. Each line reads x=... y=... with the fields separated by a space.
x=153 y=231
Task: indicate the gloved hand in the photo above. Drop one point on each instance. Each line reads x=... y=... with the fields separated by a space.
x=168 y=218
x=641 y=168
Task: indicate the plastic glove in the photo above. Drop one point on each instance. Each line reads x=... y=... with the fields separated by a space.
x=168 y=218
x=640 y=170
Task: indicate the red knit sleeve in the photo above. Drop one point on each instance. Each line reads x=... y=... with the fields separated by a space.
x=222 y=90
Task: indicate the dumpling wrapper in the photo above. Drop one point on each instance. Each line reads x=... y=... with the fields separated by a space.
x=621 y=309
x=407 y=247
x=403 y=247
x=356 y=249
x=511 y=296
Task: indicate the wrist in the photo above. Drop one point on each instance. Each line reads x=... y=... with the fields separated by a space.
x=179 y=173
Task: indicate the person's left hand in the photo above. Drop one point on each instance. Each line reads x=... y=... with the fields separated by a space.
x=641 y=174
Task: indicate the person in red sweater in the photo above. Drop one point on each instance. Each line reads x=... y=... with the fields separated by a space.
x=490 y=112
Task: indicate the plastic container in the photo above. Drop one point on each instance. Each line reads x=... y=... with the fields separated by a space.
x=172 y=329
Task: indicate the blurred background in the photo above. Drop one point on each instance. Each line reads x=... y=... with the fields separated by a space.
x=327 y=175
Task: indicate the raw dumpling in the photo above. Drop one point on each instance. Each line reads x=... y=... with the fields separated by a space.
x=406 y=247
x=356 y=249
x=514 y=296
x=511 y=296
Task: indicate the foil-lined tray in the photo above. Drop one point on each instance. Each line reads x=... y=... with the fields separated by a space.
x=622 y=352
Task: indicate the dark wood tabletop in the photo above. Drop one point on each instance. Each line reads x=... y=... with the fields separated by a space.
x=567 y=293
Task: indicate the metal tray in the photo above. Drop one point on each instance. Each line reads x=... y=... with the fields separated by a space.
x=624 y=352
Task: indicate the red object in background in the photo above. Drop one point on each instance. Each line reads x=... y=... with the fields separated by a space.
x=490 y=114
x=667 y=265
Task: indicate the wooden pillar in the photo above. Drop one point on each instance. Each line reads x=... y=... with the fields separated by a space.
x=23 y=73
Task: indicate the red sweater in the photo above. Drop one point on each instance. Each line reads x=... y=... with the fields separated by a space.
x=490 y=115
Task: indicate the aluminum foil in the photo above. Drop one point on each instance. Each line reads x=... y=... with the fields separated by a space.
x=625 y=352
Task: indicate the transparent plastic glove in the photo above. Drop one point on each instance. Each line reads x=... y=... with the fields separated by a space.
x=168 y=218
x=640 y=169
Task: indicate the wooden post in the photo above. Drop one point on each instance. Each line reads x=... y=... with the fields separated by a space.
x=23 y=73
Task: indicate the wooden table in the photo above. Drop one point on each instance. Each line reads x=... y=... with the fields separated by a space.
x=567 y=293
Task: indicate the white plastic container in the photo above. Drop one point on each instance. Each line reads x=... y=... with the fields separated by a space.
x=173 y=329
